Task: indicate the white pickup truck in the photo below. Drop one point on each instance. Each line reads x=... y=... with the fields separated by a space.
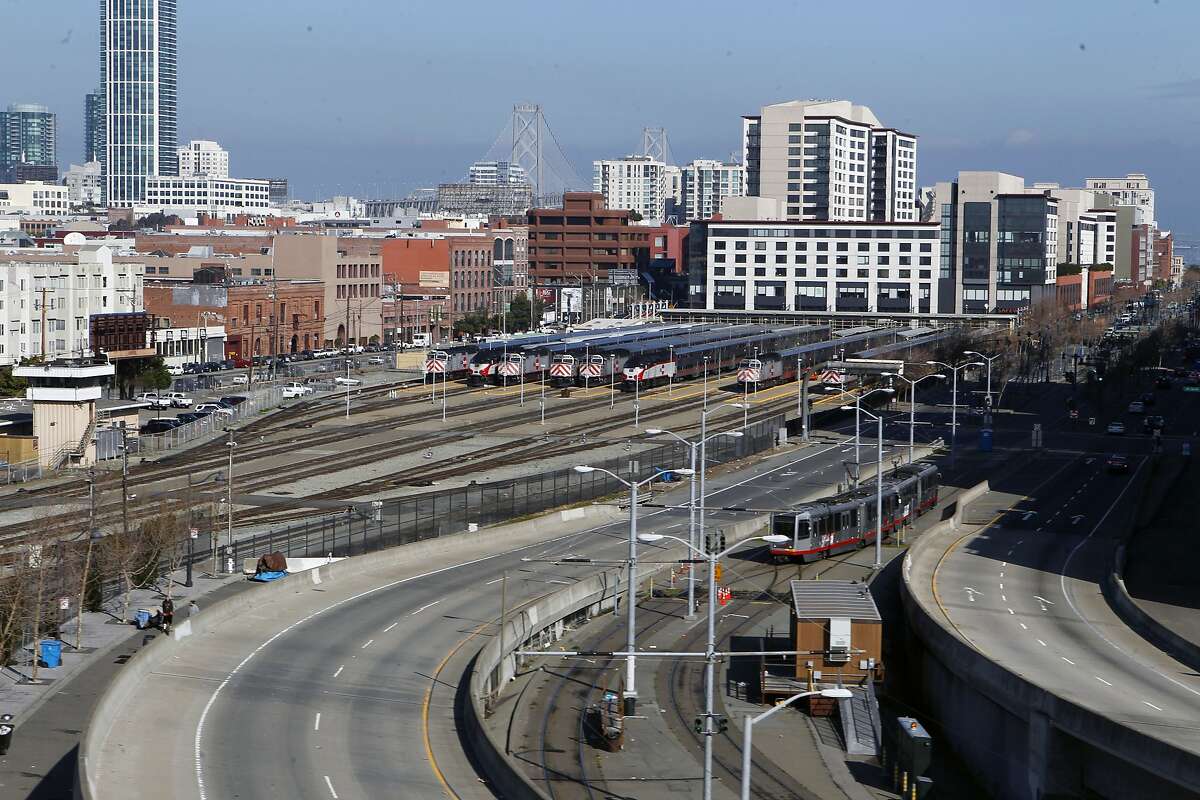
x=177 y=399
x=154 y=399
x=296 y=390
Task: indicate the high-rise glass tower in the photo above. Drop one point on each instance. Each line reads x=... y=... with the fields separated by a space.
x=138 y=80
x=93 y=126
x=27 y=135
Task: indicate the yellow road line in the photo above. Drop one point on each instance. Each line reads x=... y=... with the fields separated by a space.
x=425 y=713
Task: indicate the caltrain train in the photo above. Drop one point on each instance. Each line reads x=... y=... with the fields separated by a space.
x=779 y=365
x=665 y=360
x=847 y=521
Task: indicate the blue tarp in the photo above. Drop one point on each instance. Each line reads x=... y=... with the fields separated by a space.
x=264 y=577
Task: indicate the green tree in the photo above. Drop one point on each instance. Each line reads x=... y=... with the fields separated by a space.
x=524 y=315
x=10 y=386
x=154 y=374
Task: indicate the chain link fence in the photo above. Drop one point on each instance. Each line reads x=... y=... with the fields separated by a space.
x=428 y=516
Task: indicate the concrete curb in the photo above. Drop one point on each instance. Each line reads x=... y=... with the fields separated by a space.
x=1053 y=742
x=124 y=687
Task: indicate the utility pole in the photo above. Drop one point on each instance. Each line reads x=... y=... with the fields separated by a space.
x=229 y=497
x=125 y=482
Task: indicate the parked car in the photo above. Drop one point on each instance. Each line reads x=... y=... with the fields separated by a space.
x=160 y=425
x=214 y=408
x=1117 y=463
x=344 y=381
x=175 y=369
x=1116 y=428
x=297 y=390
x=1137 y=407
x=189 y=416
x=241 y=380
x=234 y=399
x=376 y=360
x=177 y=399
x=1154 y=423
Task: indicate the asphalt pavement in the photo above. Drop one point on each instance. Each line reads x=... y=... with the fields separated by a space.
x=242 y=720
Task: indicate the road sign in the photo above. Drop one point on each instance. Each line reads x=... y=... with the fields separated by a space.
x=1074 y=413
x=64 y=603
x=717 y=570
x=193 y=533
x=1091 y=420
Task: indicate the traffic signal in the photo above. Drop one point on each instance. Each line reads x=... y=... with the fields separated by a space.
x=699 y=726
x=722 y=724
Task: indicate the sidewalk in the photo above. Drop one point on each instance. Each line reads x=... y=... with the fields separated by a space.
x=51 y=716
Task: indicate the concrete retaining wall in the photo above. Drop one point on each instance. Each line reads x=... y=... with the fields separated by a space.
x=1020 y=740
x=497 y=539
x=1150 y=629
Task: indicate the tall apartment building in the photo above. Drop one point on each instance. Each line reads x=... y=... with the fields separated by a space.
x=201 y=157
x=496 y=173
x=638 y=184
x=73 y=287
x=999 y=243
x=705 y=183
x=27 y=138
x=93 y=126
x=830 y=160
x=83 y=183
x=1164 y=256
x=584 y=240
x=139 y=82
x=1132 y=190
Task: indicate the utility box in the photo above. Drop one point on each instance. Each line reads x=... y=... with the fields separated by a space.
x=914 y=745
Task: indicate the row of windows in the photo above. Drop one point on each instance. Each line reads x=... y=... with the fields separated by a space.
x=823 y=247
x=826 y=233
x=802 y=272
x=883 y=261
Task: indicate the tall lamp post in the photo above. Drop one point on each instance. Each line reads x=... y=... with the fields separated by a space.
x=692 y=446
x=858 y=398
x=748 y=730
x=878 y=487
x=954 y=398
x=710 y=656
x=631 y=628
x=912 y=404
x=989 y=360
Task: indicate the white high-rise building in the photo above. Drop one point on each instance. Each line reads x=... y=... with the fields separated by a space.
x=83 y=183
x=139 y=83
x=201 y=157
x=638 y=184
x=1132 y=190
x=217 y=197
x=496 y=173
x=706 y=183
x=830 y=160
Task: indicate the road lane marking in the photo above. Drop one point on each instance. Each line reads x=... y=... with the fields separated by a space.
x=317 y=722
x=1156 y=708
x=489 y=583
x=339 y=670
x=1024 y=627
x=1002 y=586
x=200 y=723
x=1069 y=661
x=329 y=783
x=422 y=608
x=1039 y=641
x=1106 y=683
x=368 y=643
x=1003 y=598
x=389 y=627
x=1011 y=611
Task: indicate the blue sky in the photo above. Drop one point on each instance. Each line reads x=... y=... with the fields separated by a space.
x=376 y=97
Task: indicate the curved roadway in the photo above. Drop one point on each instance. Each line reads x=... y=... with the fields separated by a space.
x=325 y=696
x=1024 y=590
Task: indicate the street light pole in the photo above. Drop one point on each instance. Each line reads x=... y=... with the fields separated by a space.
x=229 y=497
x=878 y=486
x=953 y=400
x=989 y=360
x=710 y=650
x=751 y=721
x=631 y=601
x=912 y=405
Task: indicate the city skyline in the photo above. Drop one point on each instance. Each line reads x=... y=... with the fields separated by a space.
x=1058 y=69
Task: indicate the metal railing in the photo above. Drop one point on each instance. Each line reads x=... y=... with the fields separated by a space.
x=20 y=472
x=209 y=426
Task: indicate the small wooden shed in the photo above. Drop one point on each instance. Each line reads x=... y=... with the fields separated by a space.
x=838 y=625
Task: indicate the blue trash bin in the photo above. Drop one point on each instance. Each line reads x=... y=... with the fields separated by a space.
x=51 y=653
x=143 y=619
x=985 y=440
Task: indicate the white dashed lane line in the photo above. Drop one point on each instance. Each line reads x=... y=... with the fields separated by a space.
x=317 y=722
x=1106 y=683
x=1069 y=661
x=367 y=644
x=329 y=783
x=1156 y=708
x=389 y=627
x=339 y=670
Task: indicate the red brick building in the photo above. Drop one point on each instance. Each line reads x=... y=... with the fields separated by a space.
x=1069 y=289
x=583 y=239
x=250 y=314
x=1164 y=252
x=459 y=264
